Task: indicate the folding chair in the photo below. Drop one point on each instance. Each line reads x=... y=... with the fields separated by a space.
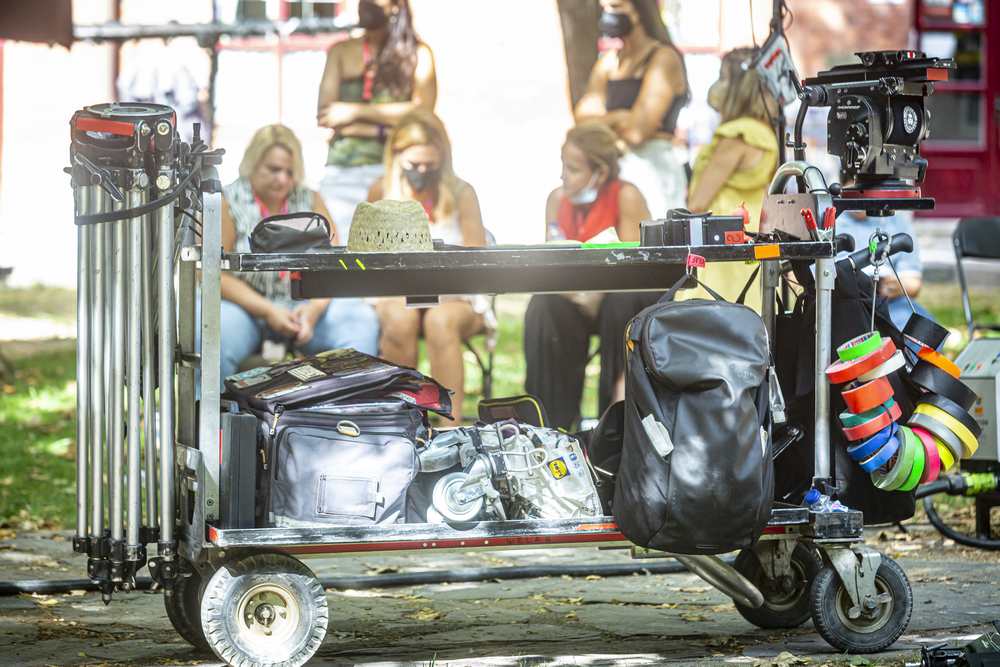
x=978 y=238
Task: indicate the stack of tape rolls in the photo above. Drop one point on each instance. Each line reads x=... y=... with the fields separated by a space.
x=880 y=446
x=941 y=420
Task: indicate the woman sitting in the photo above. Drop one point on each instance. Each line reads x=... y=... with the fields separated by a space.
x=736 y=168
x=557 y=328
x=639 y=91
x=418 y=168
x=257 y=306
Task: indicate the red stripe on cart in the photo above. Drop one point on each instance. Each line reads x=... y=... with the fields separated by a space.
x=501 y=542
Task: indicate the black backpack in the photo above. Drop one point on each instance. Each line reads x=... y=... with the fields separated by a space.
x=699 y=371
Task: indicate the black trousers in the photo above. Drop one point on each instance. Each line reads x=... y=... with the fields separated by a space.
x=557 y=343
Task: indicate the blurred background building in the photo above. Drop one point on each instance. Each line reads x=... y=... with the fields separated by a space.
x=505 y=93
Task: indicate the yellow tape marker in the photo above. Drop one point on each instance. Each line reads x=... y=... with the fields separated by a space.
x=342 y=263
x=766 y=251
x=360 y=264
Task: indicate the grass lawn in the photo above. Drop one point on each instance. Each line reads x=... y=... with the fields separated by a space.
x=38 y=403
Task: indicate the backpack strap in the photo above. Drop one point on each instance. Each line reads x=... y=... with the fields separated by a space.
x=672 y=292
x=746 y=288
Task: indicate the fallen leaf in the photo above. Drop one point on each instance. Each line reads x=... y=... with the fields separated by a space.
x=572 y=614
x=859 y=660
x=783 y=659
x=425 y=614
x=724 y=607
x=592 y=577
x=717 y=640
x=574 y=600
x=694 y=617
x=49 y=601
x=702 y=589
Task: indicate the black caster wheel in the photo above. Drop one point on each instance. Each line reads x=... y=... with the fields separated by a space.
x=183 y=605
x=786 y=598
x=264 y=610
x=875 y=629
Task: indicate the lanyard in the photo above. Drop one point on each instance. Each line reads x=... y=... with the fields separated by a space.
x=369 y=78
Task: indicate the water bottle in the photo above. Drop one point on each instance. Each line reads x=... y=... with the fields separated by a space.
x=553 y=232
x=820 y=503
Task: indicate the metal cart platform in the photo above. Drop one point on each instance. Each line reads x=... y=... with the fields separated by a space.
x=143 y=276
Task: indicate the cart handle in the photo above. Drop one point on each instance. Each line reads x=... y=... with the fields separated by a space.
x=862 y=258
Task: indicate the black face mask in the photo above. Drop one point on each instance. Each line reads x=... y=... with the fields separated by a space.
x=613 y=25
x=370 y=15
x=421 y=180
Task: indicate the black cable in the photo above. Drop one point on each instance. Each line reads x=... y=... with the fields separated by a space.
x=138 y=212
x=991 y=545
x=402 y=579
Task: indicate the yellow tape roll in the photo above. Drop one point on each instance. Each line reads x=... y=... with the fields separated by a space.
x=969 y=442
x=947 y=458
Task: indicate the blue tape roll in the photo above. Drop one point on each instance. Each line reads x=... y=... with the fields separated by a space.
x=881 y=456
x=866 y=448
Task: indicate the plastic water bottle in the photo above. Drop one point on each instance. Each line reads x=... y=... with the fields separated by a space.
x=820 y=503
x=553 y=232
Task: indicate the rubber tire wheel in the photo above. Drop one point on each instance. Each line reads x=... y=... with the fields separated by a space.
x=288 y=585
x=829 y=604
x=806 y=564
x=183 y=606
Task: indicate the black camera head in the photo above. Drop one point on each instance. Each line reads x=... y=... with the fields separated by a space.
x=877 y=116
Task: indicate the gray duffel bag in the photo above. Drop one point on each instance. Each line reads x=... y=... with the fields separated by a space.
x=341 y=465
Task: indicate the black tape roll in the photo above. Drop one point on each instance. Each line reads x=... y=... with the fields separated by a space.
x=925 y=331
x=953 y=409
x=928 y=376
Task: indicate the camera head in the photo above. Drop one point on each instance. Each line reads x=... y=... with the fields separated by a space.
x=877 y=116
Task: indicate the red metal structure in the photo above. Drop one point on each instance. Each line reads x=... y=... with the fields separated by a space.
x=964 y=147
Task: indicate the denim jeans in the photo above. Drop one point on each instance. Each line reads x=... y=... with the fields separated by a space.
x=346 y=323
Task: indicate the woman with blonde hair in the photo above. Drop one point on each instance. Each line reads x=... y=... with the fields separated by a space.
x=257 y=306
x=557 y=328
x=736 y=168
x=418 y=168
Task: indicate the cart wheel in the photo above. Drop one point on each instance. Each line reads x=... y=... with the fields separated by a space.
x=266 y=609
x=183 y=605
x=874 y=630
x=786 y=599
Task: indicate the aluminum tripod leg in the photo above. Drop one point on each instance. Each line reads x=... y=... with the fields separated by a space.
x=116 y=386
x=83 y=310
x=148 y=377
x=134 y=550
x=99 y=269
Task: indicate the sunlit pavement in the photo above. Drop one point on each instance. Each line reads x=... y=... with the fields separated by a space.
x=637 y=620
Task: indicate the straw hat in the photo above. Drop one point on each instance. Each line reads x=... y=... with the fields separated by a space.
x=390 y=226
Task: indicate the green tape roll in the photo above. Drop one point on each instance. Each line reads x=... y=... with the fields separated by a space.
x=850 y=420
x=919 y=460
x=899 y=467
x=860 y=346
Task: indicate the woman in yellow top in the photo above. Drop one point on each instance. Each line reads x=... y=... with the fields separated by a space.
x=736 y=167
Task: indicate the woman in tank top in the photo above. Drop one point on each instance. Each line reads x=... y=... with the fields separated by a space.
x=418 y=168
x=638 y=92
x=369 y=83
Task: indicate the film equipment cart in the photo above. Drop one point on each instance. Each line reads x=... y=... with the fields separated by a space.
x=241 y=590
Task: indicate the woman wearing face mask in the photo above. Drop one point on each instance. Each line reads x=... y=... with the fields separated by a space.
x=557 y=328
x=638 y=92
x=418 y=168
x=369 y=83
x=256 y=304
x=736 y=167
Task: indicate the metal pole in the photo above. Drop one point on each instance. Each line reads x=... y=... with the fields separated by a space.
x=167 y=339
x=133 y=519
x=83 y=309
x=98 y=204
x=116 y=441
x=211 y=277
x=148 y=375
x=826 y=276
x=769 y=282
